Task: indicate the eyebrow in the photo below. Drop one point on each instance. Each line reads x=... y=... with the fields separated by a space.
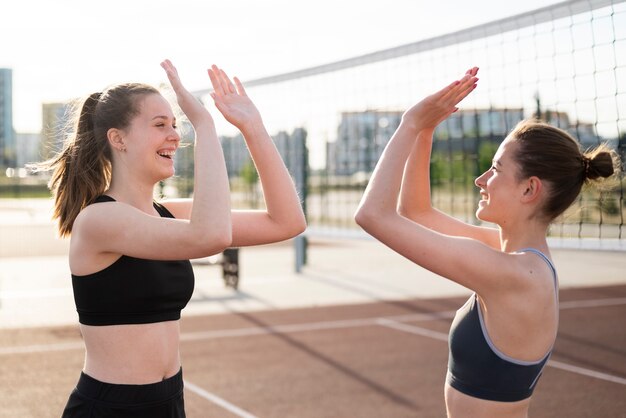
x=163 y=117
x=496 y=162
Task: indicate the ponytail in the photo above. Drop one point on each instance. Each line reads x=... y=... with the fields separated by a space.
x=82 y=170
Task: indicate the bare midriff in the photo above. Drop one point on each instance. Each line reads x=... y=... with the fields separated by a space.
x=132 y=354
x=460 y=405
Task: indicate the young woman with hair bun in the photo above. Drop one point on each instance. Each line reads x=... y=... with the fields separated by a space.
x=501 y=339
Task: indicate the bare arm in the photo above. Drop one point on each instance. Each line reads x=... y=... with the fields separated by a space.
x=465 y=261
x=119 y=228
x=415 y=197
x=283 y=217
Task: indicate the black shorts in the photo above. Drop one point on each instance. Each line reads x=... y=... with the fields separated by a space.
x=94 y=399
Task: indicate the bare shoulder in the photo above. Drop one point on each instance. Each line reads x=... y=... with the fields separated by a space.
x=95 y=216
x=533 y=274
x=86 y=255
x=540 y=270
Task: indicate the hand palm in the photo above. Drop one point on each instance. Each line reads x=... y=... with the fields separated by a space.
x=231 y=99
x=434 y=109
x=237 y=109
x=194 y=110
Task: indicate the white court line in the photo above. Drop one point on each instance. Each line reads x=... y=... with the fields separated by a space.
x=243 y=332
x=211 y=397
x=412 y=329
x=311 y=326
x=591 y=303
x=304 y=327
x=42 y=348
x=586 y=372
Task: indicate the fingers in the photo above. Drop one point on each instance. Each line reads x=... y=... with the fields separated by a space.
x=215 y=82
x=172 y=74
x=472 y=71
x=169 y=68
x=459 y=89
x=240 y=89
x=226 y=80
x=222 y=85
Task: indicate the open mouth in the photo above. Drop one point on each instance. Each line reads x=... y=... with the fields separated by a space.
x=166 y=154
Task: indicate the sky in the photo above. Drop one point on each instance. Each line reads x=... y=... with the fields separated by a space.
x=63 y=49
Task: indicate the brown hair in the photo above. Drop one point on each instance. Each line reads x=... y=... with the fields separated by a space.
x=554 y=156
x=82 y=170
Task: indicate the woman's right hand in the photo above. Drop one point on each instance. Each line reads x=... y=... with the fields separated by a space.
x=232 y=100
x=189 y=104
x=434 y=109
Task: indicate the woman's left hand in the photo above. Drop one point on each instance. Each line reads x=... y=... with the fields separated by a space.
x=231 y=99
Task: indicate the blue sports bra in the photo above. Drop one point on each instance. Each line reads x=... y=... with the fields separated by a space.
x=478 y=369
x=134 y=290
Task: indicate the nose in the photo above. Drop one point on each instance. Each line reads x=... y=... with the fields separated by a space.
x=174 y=135
x=482 y=179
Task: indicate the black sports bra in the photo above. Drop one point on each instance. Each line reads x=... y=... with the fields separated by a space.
x=134 y=290
x=477 y=368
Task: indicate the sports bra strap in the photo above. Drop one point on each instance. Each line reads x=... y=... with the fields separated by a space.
x=545 y=258
x=162 y=210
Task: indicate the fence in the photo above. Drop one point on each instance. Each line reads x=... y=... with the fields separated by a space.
x=565 y=63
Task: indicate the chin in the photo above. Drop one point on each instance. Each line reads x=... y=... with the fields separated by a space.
x=163 y=177
x=480 y=215
x=167 y=175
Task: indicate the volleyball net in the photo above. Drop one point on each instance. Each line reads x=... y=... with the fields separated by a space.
x=564 y=63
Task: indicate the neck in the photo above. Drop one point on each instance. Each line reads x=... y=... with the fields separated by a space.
x=531 y=234
x=132 y=191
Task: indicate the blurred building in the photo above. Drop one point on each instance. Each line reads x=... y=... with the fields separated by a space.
x=7 y=135
x=28 y=148
x=361 y=139
x=291 y=147
x=362 y=136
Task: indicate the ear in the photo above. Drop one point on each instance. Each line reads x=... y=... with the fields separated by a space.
x=533 y=189
x=116 y=139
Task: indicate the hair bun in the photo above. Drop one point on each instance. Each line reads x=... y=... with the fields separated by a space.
x=598 y=164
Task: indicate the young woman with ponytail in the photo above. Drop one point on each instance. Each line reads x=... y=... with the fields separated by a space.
x=501 y=339
x=129 y=255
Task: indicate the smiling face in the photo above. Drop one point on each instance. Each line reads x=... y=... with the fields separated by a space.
x=499 y=186
x=151 y=139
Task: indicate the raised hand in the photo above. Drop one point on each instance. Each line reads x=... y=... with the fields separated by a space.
x=189 y=104
x=434 y=109
x=231 y=99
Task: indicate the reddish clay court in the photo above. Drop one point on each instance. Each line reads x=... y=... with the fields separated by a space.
x=384 y=359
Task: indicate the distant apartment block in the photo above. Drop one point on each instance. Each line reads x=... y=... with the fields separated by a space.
x=362 y=136
x=291 y=146
x=28 y=148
